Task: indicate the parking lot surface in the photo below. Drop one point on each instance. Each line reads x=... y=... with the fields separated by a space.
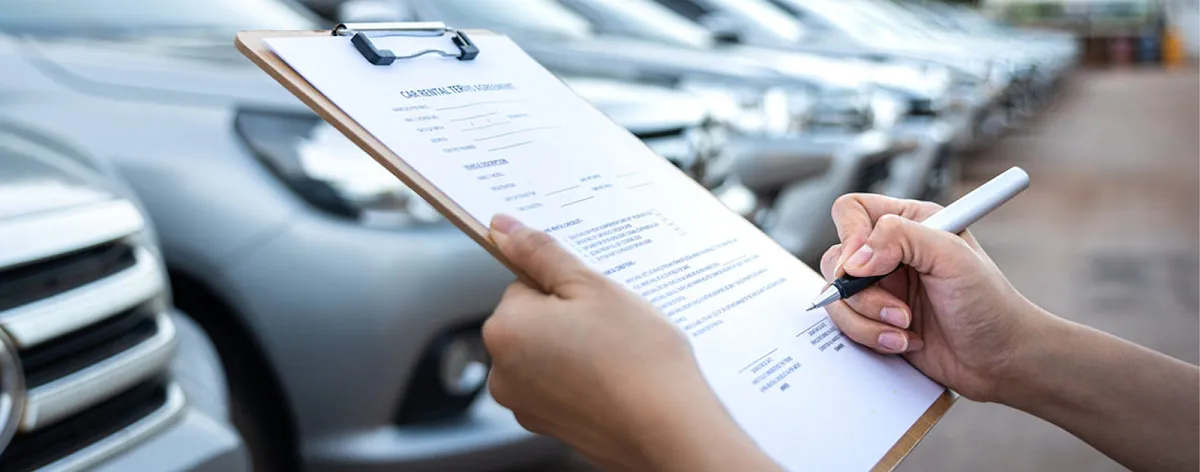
x=1107 y=235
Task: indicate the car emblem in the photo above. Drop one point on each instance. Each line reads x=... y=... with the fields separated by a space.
x=12 y=390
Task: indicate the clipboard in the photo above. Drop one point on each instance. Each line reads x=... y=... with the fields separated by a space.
x=253 y=45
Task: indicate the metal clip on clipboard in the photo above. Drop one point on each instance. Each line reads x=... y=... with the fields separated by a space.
x=382 y=57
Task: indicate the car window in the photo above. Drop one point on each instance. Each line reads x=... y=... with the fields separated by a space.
x=132 y=16
x=764 y=15
x=543 y=16
x=858 y=19
x=810 y=22
x=644 y=19
x=686 y=8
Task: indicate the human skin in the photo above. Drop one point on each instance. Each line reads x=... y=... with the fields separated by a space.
x=579 y=358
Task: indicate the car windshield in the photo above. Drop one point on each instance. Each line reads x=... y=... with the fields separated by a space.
x=907 y=17
x=859 y=19
x=770 y=17
x=545 y=17
x=123 y=17
x=647 y=19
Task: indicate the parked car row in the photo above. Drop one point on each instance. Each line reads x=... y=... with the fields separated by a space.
x=193 y=262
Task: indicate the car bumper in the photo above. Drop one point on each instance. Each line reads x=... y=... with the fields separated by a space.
x=345 y=314
x=486 y=438
x=198 y=437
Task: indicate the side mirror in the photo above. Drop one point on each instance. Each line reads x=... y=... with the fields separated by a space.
x=725 y=28
x=727 y=37
x=365 y=11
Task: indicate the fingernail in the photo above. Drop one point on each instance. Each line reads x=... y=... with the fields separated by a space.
x=893 y=341
x=861 y=256
x=895 y=317
x=505 y=224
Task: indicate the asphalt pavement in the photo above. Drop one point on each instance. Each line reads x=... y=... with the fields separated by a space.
x=1107 y=235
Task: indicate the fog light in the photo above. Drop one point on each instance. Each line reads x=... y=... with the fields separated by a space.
x=737 y=198
x=463 y=366
x=451 y=373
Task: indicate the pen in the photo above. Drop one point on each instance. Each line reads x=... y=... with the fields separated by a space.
x=955 y=218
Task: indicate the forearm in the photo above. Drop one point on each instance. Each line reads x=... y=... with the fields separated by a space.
x=713 y=450
x=690 y=431
x=1137 y=406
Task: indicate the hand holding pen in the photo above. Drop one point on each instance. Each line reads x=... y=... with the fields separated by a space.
x=953 y=219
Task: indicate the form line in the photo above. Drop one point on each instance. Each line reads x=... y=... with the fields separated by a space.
x=485 y=138
x=805 y=330
x=577 y=201
x=473 y=117
x=522 y=143
x=735 y=260
x=487 y=126
x=561 y=190
x=475 y=104
x=647 y=184
x=764 y=356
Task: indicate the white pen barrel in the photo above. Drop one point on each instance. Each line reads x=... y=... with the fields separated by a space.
x=981 y=201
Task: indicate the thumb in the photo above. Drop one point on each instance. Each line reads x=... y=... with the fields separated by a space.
x=539 y=256
x=897 y=240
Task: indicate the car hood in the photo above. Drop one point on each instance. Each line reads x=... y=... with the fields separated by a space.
x=854 y=71
x=30 y=185
x=202 y=71
x=641 y=108
x=211 y=72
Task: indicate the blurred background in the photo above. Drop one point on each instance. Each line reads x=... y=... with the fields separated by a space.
x=197 y=273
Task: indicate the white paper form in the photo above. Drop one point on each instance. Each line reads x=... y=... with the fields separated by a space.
x=501 y=134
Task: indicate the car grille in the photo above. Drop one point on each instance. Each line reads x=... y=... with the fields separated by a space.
x=37 y=280
x=85 y=310
x=41 y=448
x=77 y=350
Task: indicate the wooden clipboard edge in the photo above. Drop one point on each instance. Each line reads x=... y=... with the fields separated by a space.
x=916 y=433
x=253 y=46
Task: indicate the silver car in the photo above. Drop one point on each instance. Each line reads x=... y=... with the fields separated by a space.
x=97 y=371
x=346 y=311
x=921 y=114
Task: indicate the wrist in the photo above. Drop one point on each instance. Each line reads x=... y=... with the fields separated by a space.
x=1043 y=339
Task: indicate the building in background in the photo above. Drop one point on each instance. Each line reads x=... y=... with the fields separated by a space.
x=1114 y=32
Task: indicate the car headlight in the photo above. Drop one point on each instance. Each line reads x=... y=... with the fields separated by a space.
x=330 y=172
x=711 y=142
x=887 y=109
x=842 y=109
x=753 y=111
x=737 y=199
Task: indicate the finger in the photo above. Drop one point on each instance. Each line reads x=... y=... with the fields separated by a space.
x=895 y=284
x=531 y=423
x=877 y=304
x=502 y=332
x=519 y=293
x=500 y=389
x=829 y=262
x=898 y=240
x=539 y=256
x=855 y=215
x=872 y=334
